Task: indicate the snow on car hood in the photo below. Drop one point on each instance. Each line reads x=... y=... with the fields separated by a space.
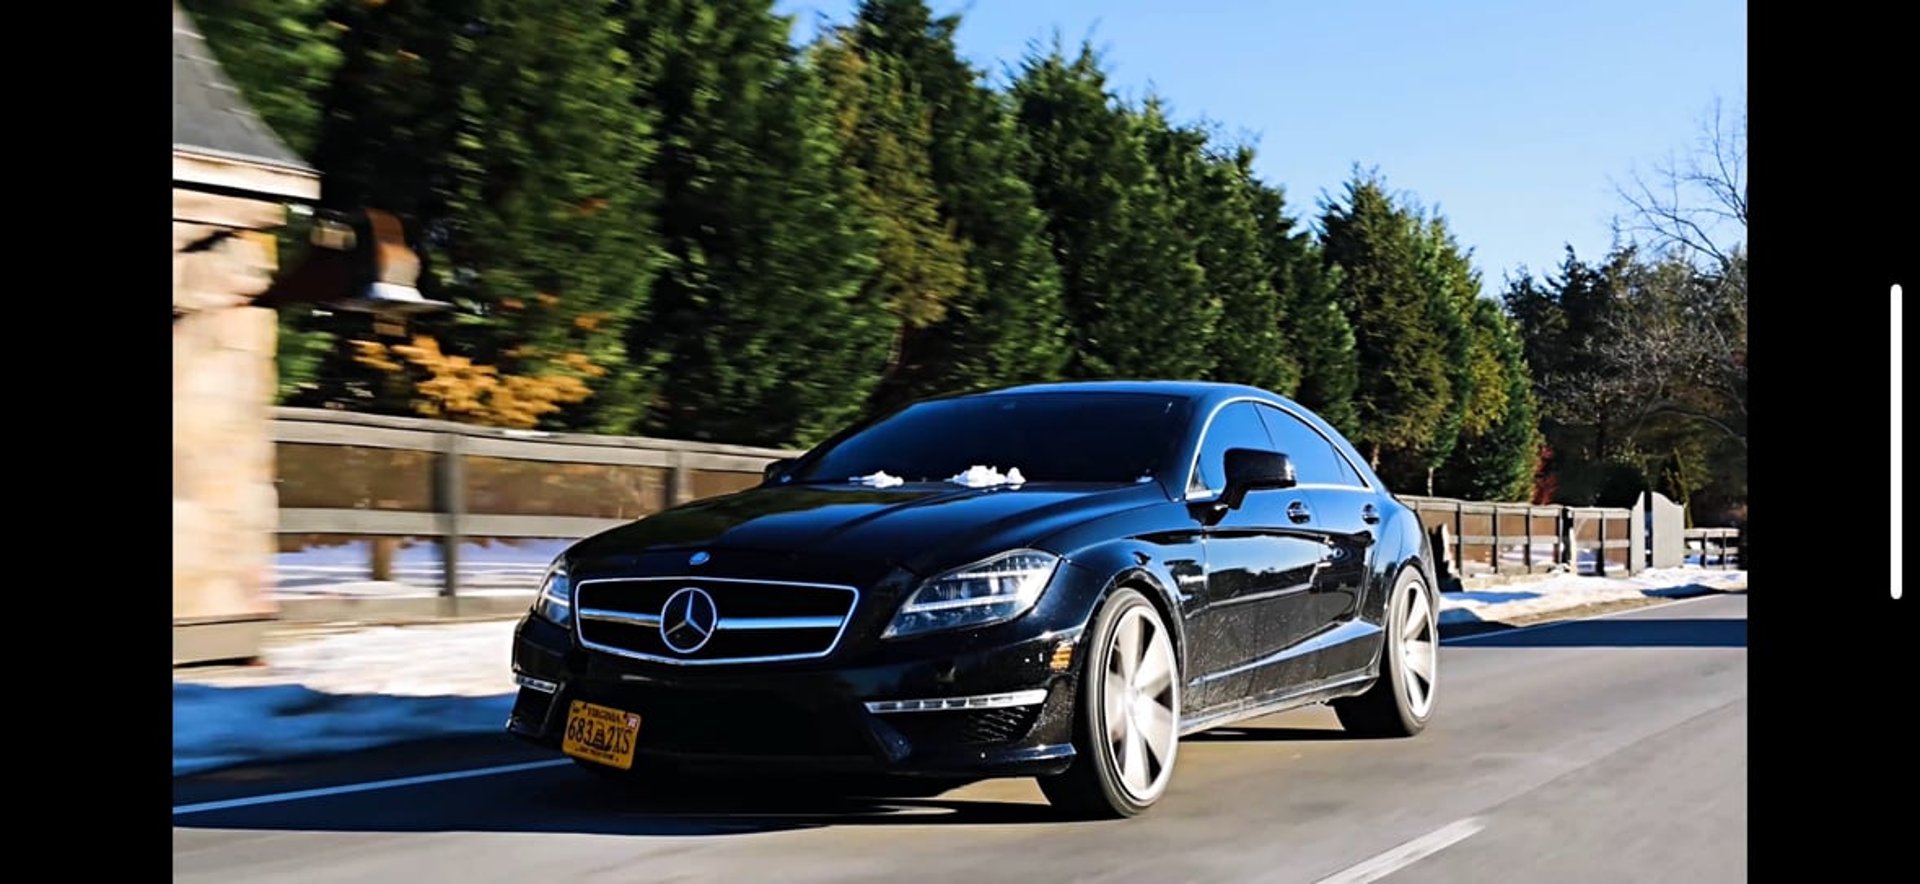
x=978 y=476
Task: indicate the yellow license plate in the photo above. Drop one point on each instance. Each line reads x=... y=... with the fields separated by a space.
x=600 y=734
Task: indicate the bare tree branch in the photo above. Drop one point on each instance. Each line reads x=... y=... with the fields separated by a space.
x=1675 y=345
x=1690 y=209
x=1695 y=414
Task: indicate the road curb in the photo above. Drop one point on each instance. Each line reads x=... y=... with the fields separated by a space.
x=1578 y=612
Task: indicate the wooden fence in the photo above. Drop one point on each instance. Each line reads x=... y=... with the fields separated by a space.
x=1476 y=539
x=1715 y=547
x=368 y=503
x=370 y=499
x=1489 y=538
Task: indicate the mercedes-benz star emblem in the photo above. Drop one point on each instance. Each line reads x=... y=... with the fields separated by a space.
x=699 y=558
x=687 y=620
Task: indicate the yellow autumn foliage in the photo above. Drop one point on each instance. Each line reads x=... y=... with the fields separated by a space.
x=374 y=355
x=456 y=388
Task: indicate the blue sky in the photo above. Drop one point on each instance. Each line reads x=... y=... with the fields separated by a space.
x=1512 y=118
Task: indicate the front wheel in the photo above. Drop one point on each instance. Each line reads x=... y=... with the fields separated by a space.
x=1401 y=700
x=1127 y=726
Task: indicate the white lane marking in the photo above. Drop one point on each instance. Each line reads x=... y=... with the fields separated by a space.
x=1384 y=864
x=376 y=785
x=1491 y=633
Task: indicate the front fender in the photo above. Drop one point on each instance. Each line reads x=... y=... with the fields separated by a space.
x=1145 y=567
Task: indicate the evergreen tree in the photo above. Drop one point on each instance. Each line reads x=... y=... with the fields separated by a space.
x=763 y=314
x=1405 y=383
x=280 y=54
x=1450 y=286
x=1313 y=326
x=502 y=136
x=1214 y=194
x=885 y=133
x=1135 y=295
x=1251 y=347
x=1006 y=324
x=1601 y=334
x=1562 y=321
x=668 y=220
x=1500 y=449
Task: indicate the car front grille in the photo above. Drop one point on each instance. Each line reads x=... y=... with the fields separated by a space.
x=734 y=621
x=976 y=727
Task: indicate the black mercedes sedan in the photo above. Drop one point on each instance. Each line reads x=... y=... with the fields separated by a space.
x=1056 y=581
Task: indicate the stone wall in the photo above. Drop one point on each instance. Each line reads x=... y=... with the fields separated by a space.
x=224 y=504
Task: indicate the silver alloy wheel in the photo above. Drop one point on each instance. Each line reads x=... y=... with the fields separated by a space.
x=1142 y=704
x=1419 y=651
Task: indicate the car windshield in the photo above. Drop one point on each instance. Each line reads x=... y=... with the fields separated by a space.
x=1048 y=437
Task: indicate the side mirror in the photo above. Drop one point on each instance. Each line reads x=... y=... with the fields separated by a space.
x=774 y=469
x=1250 y=469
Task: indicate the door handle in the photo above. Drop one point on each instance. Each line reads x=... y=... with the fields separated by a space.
x=1370 y=515
x=1298 y=513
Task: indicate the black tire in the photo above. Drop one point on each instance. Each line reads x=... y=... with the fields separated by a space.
x=1386 y=710
x=1092 y=788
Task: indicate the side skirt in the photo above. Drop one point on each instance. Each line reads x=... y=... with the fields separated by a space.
x=1328 y=641
x=1321 y=691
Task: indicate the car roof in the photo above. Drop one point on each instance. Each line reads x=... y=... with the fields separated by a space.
x=1208 y=396
x=1186 y=389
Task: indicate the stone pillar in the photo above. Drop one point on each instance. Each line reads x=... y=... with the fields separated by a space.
x=224 y=504
x=225 y=508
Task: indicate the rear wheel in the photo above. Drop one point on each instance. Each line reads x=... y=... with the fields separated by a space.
x=1401 y=701
x=1127 y=726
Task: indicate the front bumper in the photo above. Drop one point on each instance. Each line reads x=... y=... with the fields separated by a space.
x=867 y=715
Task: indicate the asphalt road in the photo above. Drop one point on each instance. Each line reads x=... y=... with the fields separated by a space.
x=1610 y=749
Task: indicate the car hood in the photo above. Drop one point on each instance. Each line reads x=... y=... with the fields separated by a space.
x=921 y=527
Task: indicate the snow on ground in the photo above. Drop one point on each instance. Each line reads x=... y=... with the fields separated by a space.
x=458 y=659
x=1562 y=591
x=334 y=692
x=337 y=568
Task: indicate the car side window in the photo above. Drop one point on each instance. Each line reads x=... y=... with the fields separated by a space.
x=1315 y=461
x=1236 y=426
x=1349 y=475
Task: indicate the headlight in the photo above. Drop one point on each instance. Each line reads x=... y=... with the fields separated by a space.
x=556 y=596
x=987 y=591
